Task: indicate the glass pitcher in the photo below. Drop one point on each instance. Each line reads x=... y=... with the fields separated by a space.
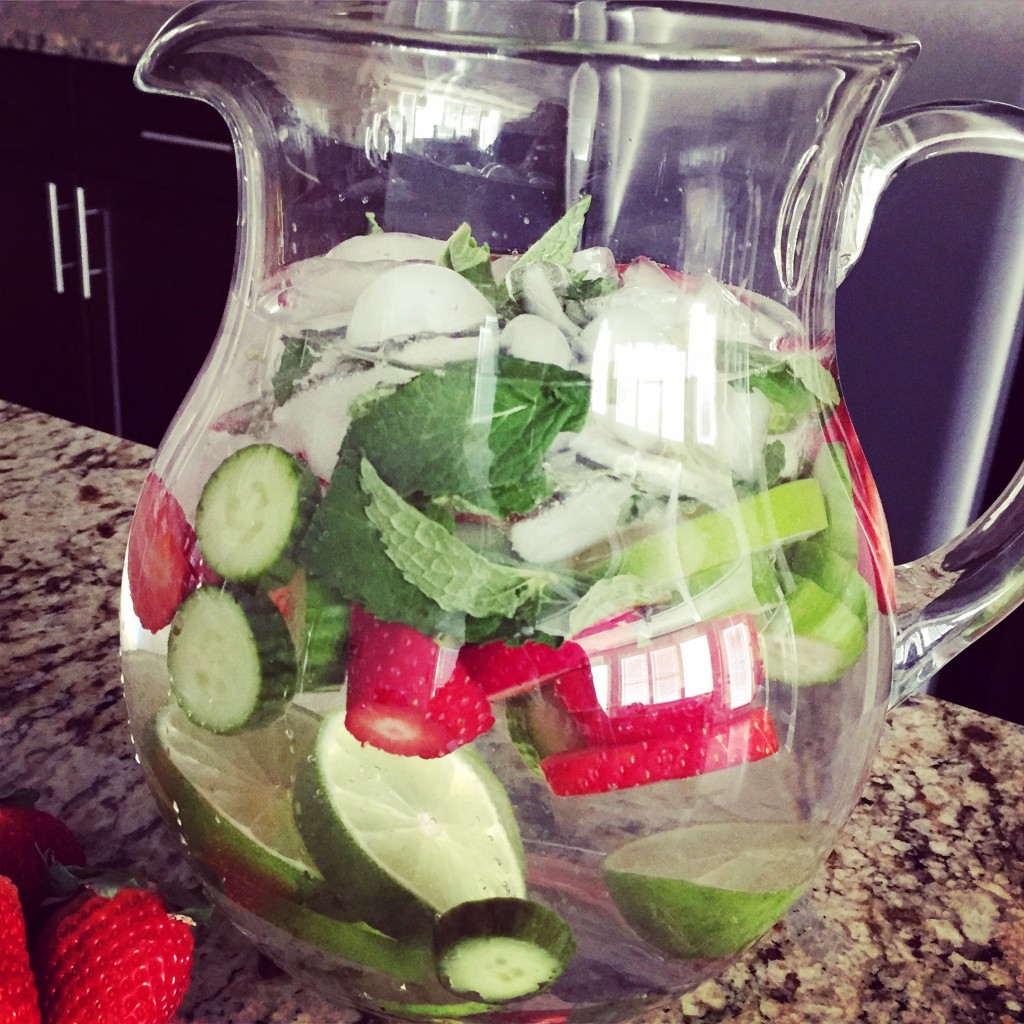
x=509 y=619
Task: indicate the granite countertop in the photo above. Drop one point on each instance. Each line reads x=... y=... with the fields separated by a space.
x=918 y=916
x=114 y=31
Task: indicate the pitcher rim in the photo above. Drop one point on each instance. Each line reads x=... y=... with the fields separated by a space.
x=331 y=19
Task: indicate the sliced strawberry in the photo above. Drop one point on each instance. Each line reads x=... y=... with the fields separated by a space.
x=462 y=709
x=406 y=694
x=701 y=675
x=702 y=750
x=502 y=671
x=163 y=563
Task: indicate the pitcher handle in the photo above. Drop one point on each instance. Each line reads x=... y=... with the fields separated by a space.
x=947 y=599
x=909 y=136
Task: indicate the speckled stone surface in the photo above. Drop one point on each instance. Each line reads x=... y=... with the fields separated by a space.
x=917 y=918
x=114 y=31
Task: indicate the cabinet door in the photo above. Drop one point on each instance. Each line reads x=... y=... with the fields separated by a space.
x=173 y=258
x=48 y=361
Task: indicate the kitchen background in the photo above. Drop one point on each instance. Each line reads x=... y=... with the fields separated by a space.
x=119 y=213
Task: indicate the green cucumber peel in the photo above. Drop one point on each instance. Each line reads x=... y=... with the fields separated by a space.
x=407 y=960
x=813 y=639
x=832 y=471
x=789 y=511
x=501 y=949
x=230 y=658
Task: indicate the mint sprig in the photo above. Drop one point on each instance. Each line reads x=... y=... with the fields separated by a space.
x=440 y=565
x=430 y=438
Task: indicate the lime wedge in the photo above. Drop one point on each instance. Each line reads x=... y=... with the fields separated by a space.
x=709 y=891
x=400 y=839
x=231 y=797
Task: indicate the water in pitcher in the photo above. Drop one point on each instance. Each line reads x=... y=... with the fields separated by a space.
x=511 y=645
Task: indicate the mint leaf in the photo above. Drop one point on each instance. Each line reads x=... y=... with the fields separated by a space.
x=807 y=368
x=606 y=598
x=344 y=550
x=440 y=565
x=426 y=438
x=562 y=239
x=774 y=462
x=473 y=262
x=297 y=360
x=790 y=400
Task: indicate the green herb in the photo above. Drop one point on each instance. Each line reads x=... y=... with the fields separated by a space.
x=374 y=227
x=607 y=597
x=790 y=400
x=473 y=262
x=440 y=565
x=428 y=439
x=343 y=549
x=562 y=239
x=807 y=368
x=774 y=462
x=297 y=360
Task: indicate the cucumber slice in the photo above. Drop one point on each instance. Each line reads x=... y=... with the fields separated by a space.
x=324 y=635
x=816 y=642
x=231 y=659
x=832 y=471
x=815 y=560
x=253 y=510
x=501 y=949
x=791 y=511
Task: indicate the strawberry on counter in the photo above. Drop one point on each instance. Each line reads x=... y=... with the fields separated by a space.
x=118 y=958
x=19 y=1001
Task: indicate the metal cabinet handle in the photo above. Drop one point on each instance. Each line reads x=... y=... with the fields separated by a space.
x=56 y=249
x=185 y=140
x=88 y=271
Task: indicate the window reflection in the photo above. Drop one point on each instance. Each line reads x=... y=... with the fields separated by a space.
x=713 y=664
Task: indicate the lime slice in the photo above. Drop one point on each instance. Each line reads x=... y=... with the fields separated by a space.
x=408 y=962
x=231 y=797
x=709 y=891
x=400 y=839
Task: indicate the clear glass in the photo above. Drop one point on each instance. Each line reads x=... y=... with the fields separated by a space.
x=509 y=620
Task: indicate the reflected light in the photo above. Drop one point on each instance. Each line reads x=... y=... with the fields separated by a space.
x=714 y=664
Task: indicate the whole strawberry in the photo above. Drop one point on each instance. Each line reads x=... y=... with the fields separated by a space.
x=19 y=1002
x=117 y=958
x=28 y=837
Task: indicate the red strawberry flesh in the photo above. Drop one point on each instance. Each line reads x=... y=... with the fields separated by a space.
x=19 y=1001
x=163 y=564
x=408 y=695
x=116 y=960
x=875 y=560
x=702 y=750
x=503 y=671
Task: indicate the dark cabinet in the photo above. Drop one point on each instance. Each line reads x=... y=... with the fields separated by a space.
x=120 y=210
